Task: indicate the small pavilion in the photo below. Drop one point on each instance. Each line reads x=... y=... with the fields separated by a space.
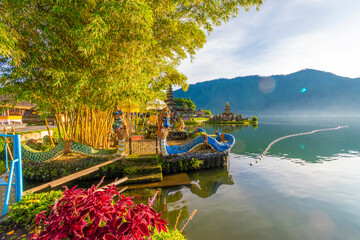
x=227 y=115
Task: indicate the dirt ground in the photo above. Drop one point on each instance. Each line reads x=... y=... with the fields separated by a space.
x=149 y=145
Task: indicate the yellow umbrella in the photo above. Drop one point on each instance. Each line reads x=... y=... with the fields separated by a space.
x=129 y=106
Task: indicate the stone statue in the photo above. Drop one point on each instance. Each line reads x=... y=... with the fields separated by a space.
x=181 y=126
x=119 y=127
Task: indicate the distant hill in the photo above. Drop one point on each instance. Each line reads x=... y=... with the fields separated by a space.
x=307 y=91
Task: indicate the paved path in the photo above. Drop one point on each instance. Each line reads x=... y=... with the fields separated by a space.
x=27 y=128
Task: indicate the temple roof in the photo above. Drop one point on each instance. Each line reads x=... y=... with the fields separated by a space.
x=7 y=102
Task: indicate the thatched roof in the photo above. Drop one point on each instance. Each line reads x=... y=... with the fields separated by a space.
x=7 y=102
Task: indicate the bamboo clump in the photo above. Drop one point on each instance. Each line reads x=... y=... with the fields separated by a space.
x=87 y=126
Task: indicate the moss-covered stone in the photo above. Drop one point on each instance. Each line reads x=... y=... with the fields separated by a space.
x=139 y=159
x=142 y=170
x=48 y=171
x=145 y=178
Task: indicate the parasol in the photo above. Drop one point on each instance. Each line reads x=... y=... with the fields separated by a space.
x=129 y=107
x=155 y=104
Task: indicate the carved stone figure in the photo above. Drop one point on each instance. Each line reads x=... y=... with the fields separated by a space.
x=119 y=126
x=181 y=126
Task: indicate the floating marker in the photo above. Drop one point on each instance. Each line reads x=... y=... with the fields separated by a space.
x=295 y=135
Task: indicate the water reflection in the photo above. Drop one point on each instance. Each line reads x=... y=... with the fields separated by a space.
x=171 y=200
x=315 y=148
x=276 y=199
x=206 y=184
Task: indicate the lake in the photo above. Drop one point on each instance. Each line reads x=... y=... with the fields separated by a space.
x=306 y=187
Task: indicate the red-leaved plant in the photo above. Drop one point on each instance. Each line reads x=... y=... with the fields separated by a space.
x=92 y=214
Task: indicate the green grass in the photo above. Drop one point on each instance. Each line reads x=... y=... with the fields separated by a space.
x=171 y=234
x=201 y=119
x=191 y=123
x=242 y=122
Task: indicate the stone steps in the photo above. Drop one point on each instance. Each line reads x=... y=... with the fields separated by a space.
x=140 y=159
x=142 y=169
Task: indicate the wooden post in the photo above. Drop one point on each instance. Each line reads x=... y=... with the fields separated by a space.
x=7 y=145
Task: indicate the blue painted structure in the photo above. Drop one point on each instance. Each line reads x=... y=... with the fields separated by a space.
x=215 y=143
x=198 y=130
x=15 y=169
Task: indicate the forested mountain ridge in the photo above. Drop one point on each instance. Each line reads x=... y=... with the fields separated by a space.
x=306 y=91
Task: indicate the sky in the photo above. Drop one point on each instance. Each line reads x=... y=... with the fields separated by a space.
x=283 y=37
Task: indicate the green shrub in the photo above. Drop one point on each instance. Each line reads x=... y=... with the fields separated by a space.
x=47 y=171
x=170 y=234
x=24 y=212
x=2 y=148
x=2 y=167
x=2 y=151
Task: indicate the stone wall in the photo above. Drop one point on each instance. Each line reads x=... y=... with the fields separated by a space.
x=35 y=135
x=194 y=161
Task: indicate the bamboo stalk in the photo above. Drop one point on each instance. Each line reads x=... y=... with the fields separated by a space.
x=65 y=123
x=102 y=129
x=77 y=126
x=72 y=124
x=87 y=130
x=58 y=124
x=110 y=123
x=62 y=124
x=137 y=121
x=83 y=127
x=100 y=116
x=96 y=128
x=47 y=127
x=142 y=128
x=93 y=121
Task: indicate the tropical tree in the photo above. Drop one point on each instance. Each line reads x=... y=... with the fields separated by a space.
x=185 y=103
x=80 y=58
x=207 y=112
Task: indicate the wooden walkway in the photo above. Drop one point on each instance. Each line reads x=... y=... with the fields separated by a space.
x=68 y=178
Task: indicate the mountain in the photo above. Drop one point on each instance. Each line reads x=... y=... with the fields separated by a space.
x=306 y=91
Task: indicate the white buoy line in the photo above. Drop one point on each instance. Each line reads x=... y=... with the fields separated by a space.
x=295 y=135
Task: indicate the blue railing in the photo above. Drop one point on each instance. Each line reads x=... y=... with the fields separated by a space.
x=15 y=169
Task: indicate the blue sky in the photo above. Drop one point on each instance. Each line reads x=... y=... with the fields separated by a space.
x=285 y=36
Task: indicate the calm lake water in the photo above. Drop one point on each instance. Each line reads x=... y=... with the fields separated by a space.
x=306 y=187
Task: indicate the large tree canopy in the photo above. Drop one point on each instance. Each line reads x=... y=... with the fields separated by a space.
x=185 y=103
x=65 y=55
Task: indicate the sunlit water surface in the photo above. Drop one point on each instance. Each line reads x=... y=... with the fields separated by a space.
x=306 y=187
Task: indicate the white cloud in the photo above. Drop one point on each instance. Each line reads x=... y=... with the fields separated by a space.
x=283 y=37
